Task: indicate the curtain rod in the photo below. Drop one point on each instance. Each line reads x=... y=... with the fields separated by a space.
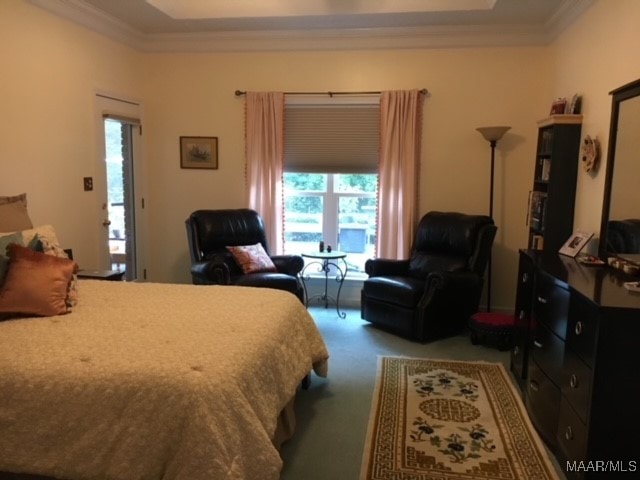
x=239 y=93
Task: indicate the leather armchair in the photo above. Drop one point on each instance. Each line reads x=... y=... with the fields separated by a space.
x=432 y=294
x=623 y=236
x=209 y=232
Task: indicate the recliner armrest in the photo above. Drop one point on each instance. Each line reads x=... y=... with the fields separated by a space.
x=377 y=267
x=210 y=272
x=450 y=285
x=289 y=264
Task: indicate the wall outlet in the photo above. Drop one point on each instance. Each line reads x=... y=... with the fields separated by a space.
x=88 y=184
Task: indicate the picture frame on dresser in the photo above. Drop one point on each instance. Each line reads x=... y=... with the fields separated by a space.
x=575 y=243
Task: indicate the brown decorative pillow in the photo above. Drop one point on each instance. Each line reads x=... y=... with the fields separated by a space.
x=252 y=258
x=13 y=214
x=36 y=284
x=51 y=246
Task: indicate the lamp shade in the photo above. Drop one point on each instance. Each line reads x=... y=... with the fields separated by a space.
x=493 y=134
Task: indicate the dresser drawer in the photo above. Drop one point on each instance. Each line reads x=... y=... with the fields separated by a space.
x=576 y=384
x=543 y=403
x=551 y=304
x=547 y=350
x=572 y=434
x=582 y=331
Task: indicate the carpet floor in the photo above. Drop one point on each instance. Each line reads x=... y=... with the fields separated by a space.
x=332 y=416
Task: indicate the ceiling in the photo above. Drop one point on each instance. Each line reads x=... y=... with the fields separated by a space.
x=228 y=25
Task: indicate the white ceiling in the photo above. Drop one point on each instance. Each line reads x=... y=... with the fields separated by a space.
x=232 y=25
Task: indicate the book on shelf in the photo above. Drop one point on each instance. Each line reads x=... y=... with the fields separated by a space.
x=537 y=210
x=537 y=242
x=544 y=170
x=546 y=141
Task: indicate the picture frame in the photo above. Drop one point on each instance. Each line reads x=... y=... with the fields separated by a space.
x=574 y=106
x=199 y=152
x=558 y=106
x=575 y=243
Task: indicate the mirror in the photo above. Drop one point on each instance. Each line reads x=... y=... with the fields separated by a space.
x=620 y=227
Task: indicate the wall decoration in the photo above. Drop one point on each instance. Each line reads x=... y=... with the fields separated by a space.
x=590 y=153
x=199 y=152
x=576 y=242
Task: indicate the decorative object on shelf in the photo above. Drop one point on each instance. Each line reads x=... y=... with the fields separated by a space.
x=590 y=154
x=574 y=106
x=575 y=243
x=492 y=135
x=558 y=106
x=199 y=152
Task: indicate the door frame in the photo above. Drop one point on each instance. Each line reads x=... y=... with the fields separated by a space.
x=124 y=106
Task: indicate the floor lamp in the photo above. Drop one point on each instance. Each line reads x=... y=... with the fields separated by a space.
x=492 y=135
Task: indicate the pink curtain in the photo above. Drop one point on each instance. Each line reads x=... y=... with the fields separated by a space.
x=398 y=172
x=264 y=119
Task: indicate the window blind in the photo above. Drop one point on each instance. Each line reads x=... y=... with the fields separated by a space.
x=341 y=138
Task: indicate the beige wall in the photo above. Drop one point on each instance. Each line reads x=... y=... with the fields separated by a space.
x=469 y=88
x=49 y=72
x=595 y=56
x=54 y=67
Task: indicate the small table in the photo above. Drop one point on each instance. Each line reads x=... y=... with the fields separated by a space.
x=324 y=261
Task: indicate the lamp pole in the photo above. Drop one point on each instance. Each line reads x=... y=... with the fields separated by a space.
x=492 y=135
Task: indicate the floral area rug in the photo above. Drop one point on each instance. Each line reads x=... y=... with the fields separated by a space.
x=446 y=420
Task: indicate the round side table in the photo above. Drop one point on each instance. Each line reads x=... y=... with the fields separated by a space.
x=323 y=261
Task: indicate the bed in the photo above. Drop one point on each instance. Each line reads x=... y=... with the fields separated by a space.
x=155 y=381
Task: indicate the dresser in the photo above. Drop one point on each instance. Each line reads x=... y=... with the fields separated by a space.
x=576 y=355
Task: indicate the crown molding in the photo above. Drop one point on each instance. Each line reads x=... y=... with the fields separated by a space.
x=321 y=39
x=568 y=13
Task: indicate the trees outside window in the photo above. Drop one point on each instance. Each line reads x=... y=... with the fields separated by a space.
x=339 y=209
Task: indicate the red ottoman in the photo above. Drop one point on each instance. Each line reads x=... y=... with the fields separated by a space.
x=493 y=329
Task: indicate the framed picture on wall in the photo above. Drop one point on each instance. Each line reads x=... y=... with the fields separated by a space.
x=199 y=152
x=575 y=243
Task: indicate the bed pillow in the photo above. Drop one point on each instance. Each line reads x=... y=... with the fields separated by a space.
x=35 y=244
x=13 y=213
x=36 y=283
x=252 y=258
x=46 y=234
x=5 y=241
x=15 y=198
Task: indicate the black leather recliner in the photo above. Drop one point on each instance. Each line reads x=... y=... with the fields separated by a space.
x=623 y=236
x=209 y=233
x=432 y=294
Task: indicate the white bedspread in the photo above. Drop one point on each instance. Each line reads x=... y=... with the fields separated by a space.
x=154 y=381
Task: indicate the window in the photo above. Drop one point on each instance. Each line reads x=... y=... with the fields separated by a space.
x=339 y=209
x=330 y=183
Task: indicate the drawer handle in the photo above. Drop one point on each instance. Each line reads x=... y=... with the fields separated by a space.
x=534 y=386
x=568 y=434
x=537 y=343
x=573 y=381
x=579 y=327
x=542 y=299
x=521 y=315
x=525 y=277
